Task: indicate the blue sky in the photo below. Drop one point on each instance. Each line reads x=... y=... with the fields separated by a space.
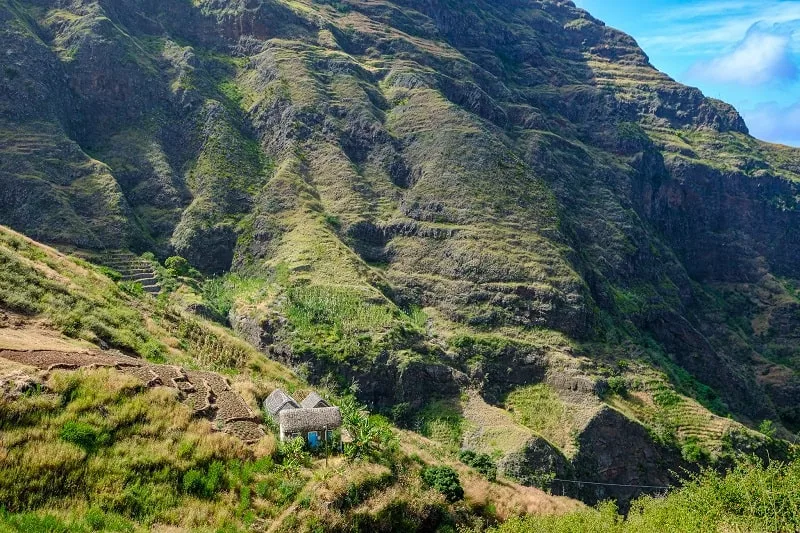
x=746 y=52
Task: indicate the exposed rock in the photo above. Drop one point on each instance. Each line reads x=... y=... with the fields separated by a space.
x=614 y=450
x=536 y=465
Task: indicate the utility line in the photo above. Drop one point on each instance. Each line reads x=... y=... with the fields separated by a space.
x=611 y=484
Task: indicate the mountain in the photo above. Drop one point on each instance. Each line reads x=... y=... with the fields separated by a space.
x=496 y=219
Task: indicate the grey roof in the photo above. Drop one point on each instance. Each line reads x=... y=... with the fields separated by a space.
x=301 y=420
x=314 y=400
x=277 y=400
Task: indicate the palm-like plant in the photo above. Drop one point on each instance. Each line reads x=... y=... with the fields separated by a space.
x=370 y=438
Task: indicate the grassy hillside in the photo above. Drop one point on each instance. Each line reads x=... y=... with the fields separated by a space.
x=751 y=497
x=95 y=449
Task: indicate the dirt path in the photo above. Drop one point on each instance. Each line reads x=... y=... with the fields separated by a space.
x=208 y=394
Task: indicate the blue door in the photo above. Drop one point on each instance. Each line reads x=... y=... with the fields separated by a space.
x=313 y=439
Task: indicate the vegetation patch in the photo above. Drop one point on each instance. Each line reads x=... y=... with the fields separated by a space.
x=539 y=408
x=751 y=497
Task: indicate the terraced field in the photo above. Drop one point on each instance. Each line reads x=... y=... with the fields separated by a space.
x=132 y=268
x=208 y=394
x=689 y=419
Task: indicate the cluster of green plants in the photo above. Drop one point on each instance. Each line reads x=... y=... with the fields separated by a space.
x=371 y=436
x=445 y=480
x=475 y=349
x=618 y=385
x=752 y=496
x=221 y=293
x=482 y=462
x=536 y=406
x=442 y=421
x=344 y=325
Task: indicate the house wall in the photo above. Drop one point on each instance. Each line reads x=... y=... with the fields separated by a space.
x=321 y=434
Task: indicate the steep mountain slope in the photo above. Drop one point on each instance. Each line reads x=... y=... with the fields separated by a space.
x=427 y=196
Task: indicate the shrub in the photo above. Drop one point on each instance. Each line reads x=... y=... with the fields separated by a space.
x=132 y=288
x=617 y=385
x=293 y=454
x=445 y=480
x=110 y=273
x=219 y=296
x=177 y=266
x=693 y=452
x=204 y=484
x=83 y=435
x=666 y=398
x=153 y=351
x=333 y=221
x=481 y=462
x=767 y=427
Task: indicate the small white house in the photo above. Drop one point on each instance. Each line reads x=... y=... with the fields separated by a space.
x=314 y=419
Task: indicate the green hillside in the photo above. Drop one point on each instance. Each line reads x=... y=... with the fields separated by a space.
x=493 y=222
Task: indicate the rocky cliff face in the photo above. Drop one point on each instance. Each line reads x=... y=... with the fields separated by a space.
x=514 y=168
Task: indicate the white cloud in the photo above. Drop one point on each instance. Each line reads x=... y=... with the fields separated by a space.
x=775 y=123
x=714 y=8
x=705 y=27
x=761 y=58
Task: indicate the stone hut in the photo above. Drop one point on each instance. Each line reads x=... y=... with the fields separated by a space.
x=316 y=425
x=314 y=419
x=314 y=401
x=277 y=402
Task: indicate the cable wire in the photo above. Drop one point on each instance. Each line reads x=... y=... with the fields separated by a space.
x=611 y=484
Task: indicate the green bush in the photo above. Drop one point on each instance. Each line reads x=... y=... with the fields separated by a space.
x=666 y=398
x=293 y=454
x=219 y=296
x=481 y=462
x=177 y=266
x=693 y=452
x=617 y=385
x=110 y=273
x=204 y=484
x=84 y=436
x=445 y=480
x=132 y=288
x=767 y=428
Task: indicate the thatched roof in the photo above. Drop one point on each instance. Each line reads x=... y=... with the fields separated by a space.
x=314 y=400
x=277 y=401
x=302 y=420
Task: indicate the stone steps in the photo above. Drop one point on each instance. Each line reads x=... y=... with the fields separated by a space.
x=132 y=268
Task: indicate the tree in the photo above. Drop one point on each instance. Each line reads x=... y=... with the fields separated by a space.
x=445 y=480
x=372 y=438
x=767 y=427
x=177 y=265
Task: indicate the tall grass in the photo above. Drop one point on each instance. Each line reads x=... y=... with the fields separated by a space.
x=751 y=497
x=342 y=310
x=80 y=303
x=99 y=440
